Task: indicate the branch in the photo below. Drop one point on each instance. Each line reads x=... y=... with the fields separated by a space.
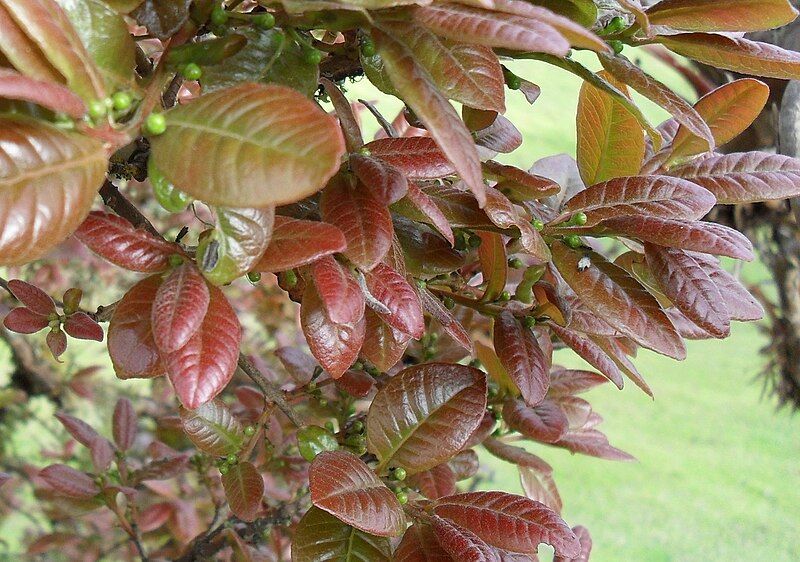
x=272 y=392
x=118 y=203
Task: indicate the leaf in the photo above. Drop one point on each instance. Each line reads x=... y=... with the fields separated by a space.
x=745 y=177
x=500 y=136
x=425 y=204
x=299 y=364
x=47 y=25
x=24 y=321
x=98 y=446
x=494 y=264
x=356 y=383
x=21 y=51
x=362 y=218
x=340 y=293
x=243 y=235
x=335 y=346
x=467 y=73
x=451 y=325
x=625 y=71
x=69 y=482
x=491 y=28
x=179 y=308
x=586 y=546
x=567 y=382
x=244 y=489
x=344 y=486
x=436 y=482
x=612 y=348
x=131 y=346
x=419 y=158
x=519 y=185
x=32 y=297
x=503 y=214
x=728 y=110
x=392 y=290
x=320 y=536
x=685 y=282
x=48 y=180
x=282 y=147
x=82 y=326
x=522 y=358
x=614 y=296
x=383 y=345
x=610 y=138
x=658 y=196
x=387 y=183
x=420 y=544
x=741 y=304
x=203 y=367
x=347 y=119
x=163 y=468
x=424 y=415
x=736 y=54
x=51 y=95
x=592 y=443
x=123 y=424
x=213 y=429
x=510 y=522
x=447 y=129
x=545 y=423
x=295 y=243
x=460 y=543
x=163 y=18
x=118 y=241
x=705 y=237
x=709 y=15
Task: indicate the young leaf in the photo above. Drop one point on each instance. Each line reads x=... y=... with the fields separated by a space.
x=741 y=304
x=424 y=415
x=450 y=323
x=162 y=18
x=21 y=51
x=592 y=443
x=710 y=15
x=400 y=299
x=51 y=95
x=32 y=297
x=335 y=346
x=545 y=423
x=179 y=308
x=213 y=429
x=203 y=367
x=620 y=300
x=295 y=243
x=501 y=136
x=460 y=543
x=244 y=489
x=321 y=536
x=387 y=183
x=162 y=468
x=419 y=158
x=438 y=482
x=340 y=293
x=345 y=487
x=123 y=424
x=48 y=180
x=285 y=148
x=586 y=546
x=568 y=382
x=420 y=544
x=362 y=218
x=243 y=235
x=510 y=522
x=522 y=358
x=344 y=111
x=24 y=321
x=383 y=345
x=130 y=340
x=83 y=327
x=69 y=482
x=425 y=204
x=494 y=264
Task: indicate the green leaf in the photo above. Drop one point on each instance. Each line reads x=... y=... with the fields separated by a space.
x=48 y=181
x=583 y=12
x=731 y=15
x=279 y=147
x=213 y=429
x=321 y=537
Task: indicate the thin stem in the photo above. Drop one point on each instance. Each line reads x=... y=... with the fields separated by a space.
x=384 y=123
x=273 y=393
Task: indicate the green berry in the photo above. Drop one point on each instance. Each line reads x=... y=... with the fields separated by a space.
x=312 y=386
x=402 y=497
x=358 y=426
x=323 y=402
x=449 y=303
x=617 y=45
x=249 y=430
x=155 y=124
x=351 y=410
x=313 y=440
x=224 y=469
x=579 y=219
x=329 y=426
x=537 y=224
x=175 y=260
x=529 y=322
x=121 y=101
x=420 y=283
x=505 y=296
x=573 y=241
x=219 y=16
x=614 y=25
x=232 y=458
x=475 y=241
x=254 y=276
x=399 y=473
x=192 y=71
x=368 y=47
x=97 y=109
x=515 y=263
x=312 y=57
x=290 y=279
x=264 y=21
x=364 y=151
x=168 y=196
x=357 y=366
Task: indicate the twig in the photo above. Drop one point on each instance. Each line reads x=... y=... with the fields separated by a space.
x=170 y=96
x=117 y=202
x=273 y=393
x=388 y=127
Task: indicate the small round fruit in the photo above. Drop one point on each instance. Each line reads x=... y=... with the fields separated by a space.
x=529 y=322
x=155 y=124
x=249 y=430
x=290 y=279
x=121 y=101
x=329 y=426
x=505 y=296
x=192 y=71
x=264 y=21
x=617 y=45
x=232 y=458
x=368 y=47
x=513 y=81
x=475 y=241
x=254 y=276
x=224 y=469
x=313 y=440
x=399 y=473
x=573 y=241
x=358 y=426
x=580 y=219
x=537 y=224
x=219 y=16
x=97 y=109
x=402 y=496
x=449 y=303
x=516 y=263
x=615 y=25
x=312 y=56
x=175 y=260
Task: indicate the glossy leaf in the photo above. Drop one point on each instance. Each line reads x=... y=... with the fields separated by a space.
x=48 y=180
x=162 y=18
x=594 y=444
x=24 y=321
x=546 y=422
x=131 y=346
x=567 y=382
x=417 y=157
x=340 y=293
x=51 y=95
x=424 y=415
x=282 y=146
x=617 y=298
x=450 y=323
x=295 y=243
x=320 y=536
x=709 y=15
x=345 y=487
x=244 y=489
x=32 y=297
x=494 y=264
x=179 y=308
x=510 y=522
x=203 y=367
x=460 y=543
x=430 y=211
x=344 y=112
x=242 y=236
x=586 y=546
x=99 y=447
x=383 y=345
x=392 y=290
x=522 y=357
x=740 y=303
x=82 y=326
x=21 y=51
x=67 y=481
x=213 y=429
x=124 y=424
x=438 y=482
x=387 y=183
x=420 y=544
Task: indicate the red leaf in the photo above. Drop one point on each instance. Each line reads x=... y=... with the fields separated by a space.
x=465 y=463
x=741 y=304
x=419 y=158
x=345 y=487
x=545 y=423
x=355 y=383
x=494 y=264
x=344 y=111
x=299 y=364
x=709 y=15
x=420 y=544
x=586 y=546
x=523 y=359
x=340 y=294
x=501 y=136
x=427 y=207
x=436 y=482
x=295 y=243
x=213 y=429
x=204 y=366
x=118 y=241
x=32 y=297
x=131 y=345
x=69 y=482
x=449 y=322
x=24 y=321
x=535 y=474
x=152 y=517
x=593 y=443
x=393 y=291
x=99 y=446
x=51 y=95
x=460 y=543
x=519 y=185
x=83 y=327
x=123 y=424
x=162 y=469
x=566 y=382
x=510 y=522
x=383 y=345
x=362 y=218
x=590 y=352
x=56 y=342
x=387 y=183
x=335 y=346
x=244 y=489
x=179 y=307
